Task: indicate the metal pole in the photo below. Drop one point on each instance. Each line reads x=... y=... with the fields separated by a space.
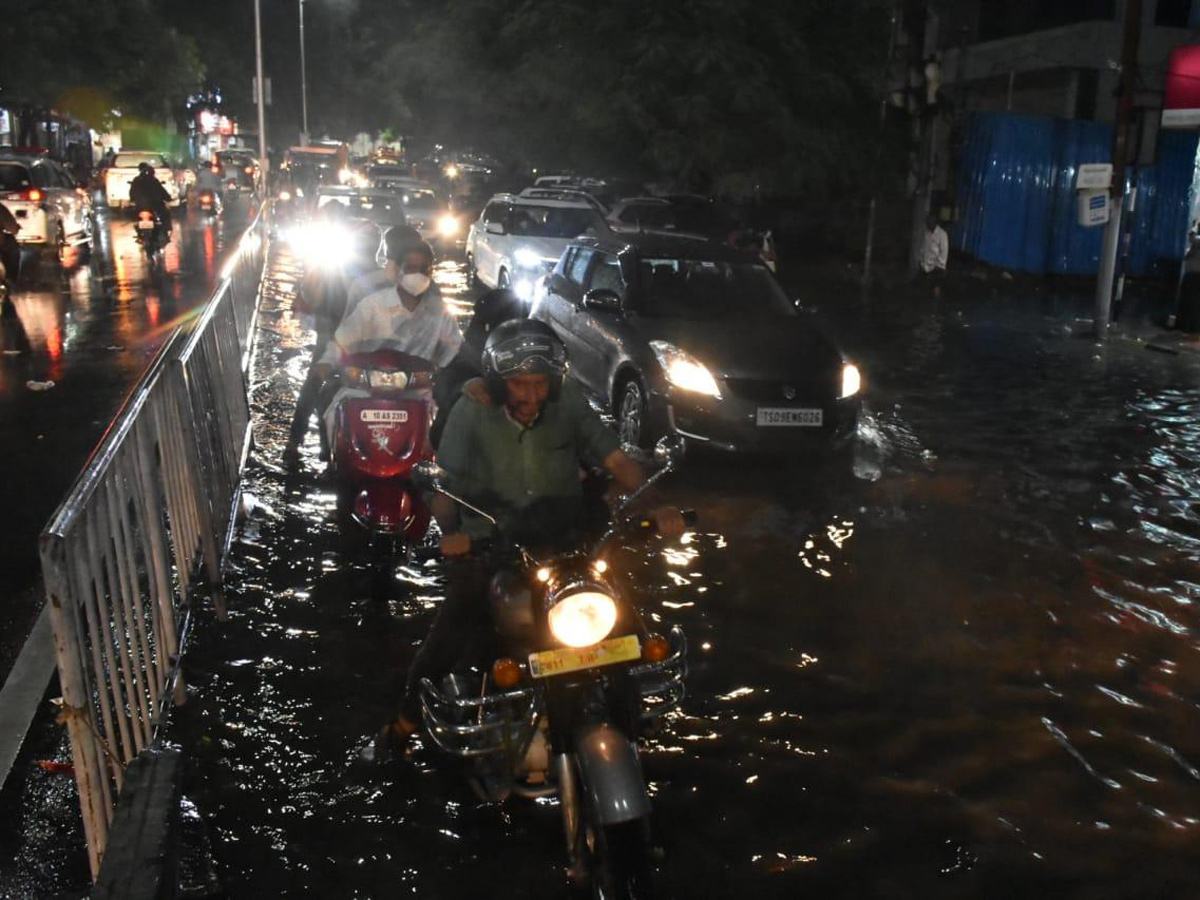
x=1112 y=232
x=883 y=101
x=264 y=162
x=303 y=84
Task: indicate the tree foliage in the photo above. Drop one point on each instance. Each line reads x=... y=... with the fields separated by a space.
x=87 y=55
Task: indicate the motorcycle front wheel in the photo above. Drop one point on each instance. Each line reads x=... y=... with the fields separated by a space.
x=612 y=862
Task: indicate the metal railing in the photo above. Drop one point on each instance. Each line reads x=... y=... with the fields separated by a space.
x=144 y=529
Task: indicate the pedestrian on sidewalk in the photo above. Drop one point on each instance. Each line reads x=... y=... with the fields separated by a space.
x=1187 y=318
x=935 y=253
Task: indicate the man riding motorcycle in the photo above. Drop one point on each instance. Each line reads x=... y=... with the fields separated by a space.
x=519 y=458
x=10 y=249
x=147 y=193
x=407 y=316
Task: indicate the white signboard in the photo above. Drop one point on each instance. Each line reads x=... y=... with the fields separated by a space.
x=1093 y=208
x=1093 y=175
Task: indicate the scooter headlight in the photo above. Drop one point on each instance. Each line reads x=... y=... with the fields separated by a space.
x=583 y=617
x=380 y=380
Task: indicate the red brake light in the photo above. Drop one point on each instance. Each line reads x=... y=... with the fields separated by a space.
x=36 y=196
x=145 y=215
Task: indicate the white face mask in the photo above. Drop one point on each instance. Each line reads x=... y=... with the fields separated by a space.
x=416 y=283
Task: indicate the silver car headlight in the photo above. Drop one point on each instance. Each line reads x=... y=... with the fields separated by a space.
x=583 y=617
x=683 y=371
x=851 y=381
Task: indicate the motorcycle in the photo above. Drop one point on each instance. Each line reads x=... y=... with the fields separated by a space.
x=380 y=431
x=208 y=202
x=150 y=231
x=579 y=679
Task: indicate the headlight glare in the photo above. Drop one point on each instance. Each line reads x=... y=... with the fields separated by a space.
x=526 y=257
x=851 y=381
x=583 y=618
x=447 y=226
x=683 y=371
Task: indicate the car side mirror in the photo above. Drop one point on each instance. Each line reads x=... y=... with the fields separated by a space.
x=494 y=227
x=602 y=300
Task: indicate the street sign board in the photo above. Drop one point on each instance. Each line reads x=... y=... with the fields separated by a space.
x=1092 y=176
x=1181 y=97
x=1093 y=208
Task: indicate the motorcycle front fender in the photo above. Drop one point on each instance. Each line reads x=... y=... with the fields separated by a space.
x=611 y=774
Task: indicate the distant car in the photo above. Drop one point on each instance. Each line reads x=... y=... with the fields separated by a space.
x=685 y=336
x=384 y=208
x=240 y=170
x=53 y=210
x=125 y=168
x=426 y=210
x=518 y=240
x=680 y=214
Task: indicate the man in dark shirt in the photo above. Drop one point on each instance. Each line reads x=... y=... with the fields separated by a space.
x=147 y=192
x=518 y=458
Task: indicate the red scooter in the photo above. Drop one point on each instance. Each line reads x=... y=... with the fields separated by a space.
x=377 y=439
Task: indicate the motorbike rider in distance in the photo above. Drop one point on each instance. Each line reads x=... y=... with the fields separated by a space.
x=519 y=458
x=147 y=193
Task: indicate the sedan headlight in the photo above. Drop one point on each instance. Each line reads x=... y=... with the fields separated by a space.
x=851 y=381
x=683 y=371
x=583 y=618
x=448 y=226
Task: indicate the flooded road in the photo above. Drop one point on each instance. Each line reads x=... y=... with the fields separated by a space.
x=90 y=328
x=963 y=666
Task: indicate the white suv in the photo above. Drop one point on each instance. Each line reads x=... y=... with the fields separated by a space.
x=518 y=240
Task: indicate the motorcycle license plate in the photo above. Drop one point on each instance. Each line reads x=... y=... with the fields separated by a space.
x=145 y=226
x=803 y=418
x=572 y=659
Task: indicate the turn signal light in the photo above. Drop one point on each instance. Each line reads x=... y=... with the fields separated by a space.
x=506 y=673
x=656 y=648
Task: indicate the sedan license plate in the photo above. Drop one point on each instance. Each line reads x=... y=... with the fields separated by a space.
x=803 y=418
x=572 y=659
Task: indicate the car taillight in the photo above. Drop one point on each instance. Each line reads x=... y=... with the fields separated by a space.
x=249 y=170
x=35 y=196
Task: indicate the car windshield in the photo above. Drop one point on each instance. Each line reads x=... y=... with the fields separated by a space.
x=133 y=160
x=381 y=209
x=551 y=221
x=14 y=177
x=704 y=289
x=387 y=172
x=421 y=198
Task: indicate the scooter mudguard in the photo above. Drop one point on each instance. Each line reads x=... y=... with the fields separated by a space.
x=390 y=506
x=611 y=774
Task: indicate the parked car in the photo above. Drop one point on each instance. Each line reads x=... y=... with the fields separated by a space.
x=52 y=208
x=124 y=169
x=518 y=240
x=686 y=336
x=682 y=214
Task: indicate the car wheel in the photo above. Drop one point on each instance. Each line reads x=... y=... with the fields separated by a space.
x=630 y=413
x=502 y=279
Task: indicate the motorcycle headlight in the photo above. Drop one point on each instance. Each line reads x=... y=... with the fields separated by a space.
x=683 y=371
x=447 y=226
x=583 y=618
x=396 y=381
x=527 y=258
x=851 y=381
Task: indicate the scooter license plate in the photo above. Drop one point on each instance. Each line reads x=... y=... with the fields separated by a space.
x=145 y=226
x=572 y=659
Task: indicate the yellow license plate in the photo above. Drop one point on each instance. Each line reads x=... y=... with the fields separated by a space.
x=572 y=659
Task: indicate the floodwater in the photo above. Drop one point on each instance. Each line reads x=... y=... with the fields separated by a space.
x=962 y=666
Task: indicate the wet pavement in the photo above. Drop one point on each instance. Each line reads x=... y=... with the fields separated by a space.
x=959 y=665
x=90 y=328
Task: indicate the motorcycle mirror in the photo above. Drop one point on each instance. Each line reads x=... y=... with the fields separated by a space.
x=669 y=451
x=428 y=475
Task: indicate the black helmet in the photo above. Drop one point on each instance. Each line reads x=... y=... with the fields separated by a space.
x=523 y=347
x=401 y=240
x=145 y=168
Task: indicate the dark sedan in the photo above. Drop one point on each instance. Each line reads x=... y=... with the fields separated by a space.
x=685 y=336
